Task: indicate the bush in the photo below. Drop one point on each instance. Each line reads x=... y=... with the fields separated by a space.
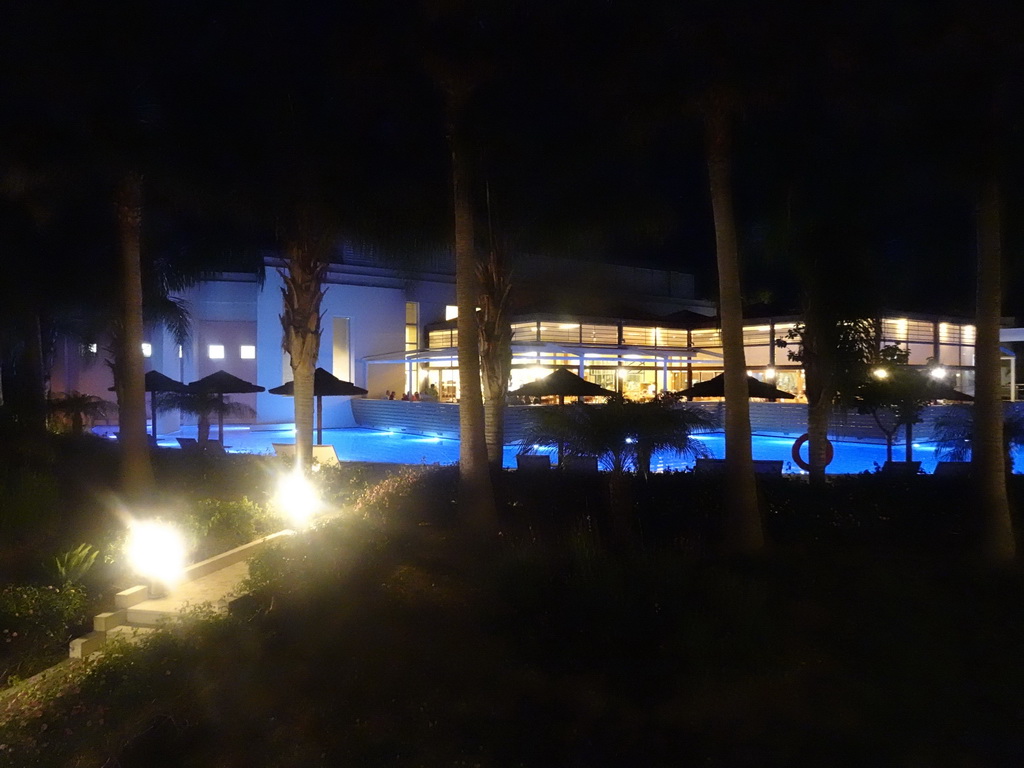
x=214 y=526
x=416 y=492
x=36 y=623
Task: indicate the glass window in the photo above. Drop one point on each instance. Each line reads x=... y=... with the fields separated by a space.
x=247 y=352
x=599 y=334
x=412 y=312
x=440 y=339
x=567 y=333
x=711 y=338
x=635 y=335
x=216 y=351
x=757 y=334
x=411 y=338
x=451 y=312
x=524 y=331
x=671 y=337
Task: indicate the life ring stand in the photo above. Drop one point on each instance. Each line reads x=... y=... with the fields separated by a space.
x=799 y=443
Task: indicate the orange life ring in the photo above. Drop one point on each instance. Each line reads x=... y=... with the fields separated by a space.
x=799 y=443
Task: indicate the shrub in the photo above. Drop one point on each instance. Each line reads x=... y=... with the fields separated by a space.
x=417 y=492
x=35 y=624
x=72 y=566
x=214 y=526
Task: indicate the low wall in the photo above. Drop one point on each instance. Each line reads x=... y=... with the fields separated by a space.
x=789 y=419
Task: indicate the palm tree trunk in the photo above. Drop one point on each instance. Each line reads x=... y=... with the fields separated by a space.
x=988 y=452
x=476 y=496
x=136 y=469
x=744 y=532
x=303 y=293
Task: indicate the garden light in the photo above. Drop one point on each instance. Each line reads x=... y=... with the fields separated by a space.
x=880 y=373
x=156 y=551
x=938 y=372
x=298 y=498
x=769 y=374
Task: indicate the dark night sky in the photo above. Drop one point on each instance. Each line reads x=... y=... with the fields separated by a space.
x=857 y=132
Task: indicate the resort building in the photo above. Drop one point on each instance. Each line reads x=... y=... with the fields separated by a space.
x=391 y=328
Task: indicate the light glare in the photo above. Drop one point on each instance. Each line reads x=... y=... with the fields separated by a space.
x=156 y=551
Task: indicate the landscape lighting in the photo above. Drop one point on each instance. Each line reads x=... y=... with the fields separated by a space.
x=880 y=373
x=938 y=372
x=156 y=551
x=298 y=498
x=769 y=374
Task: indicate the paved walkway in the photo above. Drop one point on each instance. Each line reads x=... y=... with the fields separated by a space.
x=216 y=588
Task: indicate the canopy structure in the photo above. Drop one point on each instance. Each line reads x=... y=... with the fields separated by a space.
x=715 y=387
x=223 y=383
x=563 y=383
x=325 y=384
x=158 y=382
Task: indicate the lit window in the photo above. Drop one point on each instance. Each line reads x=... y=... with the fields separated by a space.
x=216 y=351
x=451 y=312
x=147 y=349
x=247 y=352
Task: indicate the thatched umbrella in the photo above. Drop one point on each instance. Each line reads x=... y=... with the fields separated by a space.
x=157 y=382
x=715 y=387
x=223 y=383
x=325 y=384
x=563 y=383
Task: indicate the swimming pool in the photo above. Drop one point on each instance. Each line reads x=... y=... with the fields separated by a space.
x=401 y=448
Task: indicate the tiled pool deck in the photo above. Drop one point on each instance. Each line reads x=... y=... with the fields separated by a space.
x=396 y=448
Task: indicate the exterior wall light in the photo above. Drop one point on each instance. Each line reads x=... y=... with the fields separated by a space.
x=769 y=374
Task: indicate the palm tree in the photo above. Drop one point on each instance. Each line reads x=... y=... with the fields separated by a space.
x=953 y=433
x=136 y=469
x=495 y=353
x=204 y=405
x=988 y=454
x=623 y=434
x=458 y=75
x=75 y=409
x=745 y=529
x=307 y=258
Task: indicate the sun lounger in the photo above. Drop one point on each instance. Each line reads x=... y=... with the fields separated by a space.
x=953 y=469
x=325 y=455
x=284 y=450
x=529 y=462
x=582 y=465
x=717 y=466
x=901 y=468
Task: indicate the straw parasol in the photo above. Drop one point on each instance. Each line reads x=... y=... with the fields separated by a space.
x=325 y=384
x=715 y=387
x=223 y=383
x=563 y=383
x=157 y=382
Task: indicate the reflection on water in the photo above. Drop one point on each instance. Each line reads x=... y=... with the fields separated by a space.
x=399 y=448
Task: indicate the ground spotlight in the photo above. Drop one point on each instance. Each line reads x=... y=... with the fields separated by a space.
x=156 y=551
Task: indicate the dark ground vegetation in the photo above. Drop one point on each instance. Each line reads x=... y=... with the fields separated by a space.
x=866 y=635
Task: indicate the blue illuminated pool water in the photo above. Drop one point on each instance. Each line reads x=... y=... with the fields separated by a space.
x=400 y=448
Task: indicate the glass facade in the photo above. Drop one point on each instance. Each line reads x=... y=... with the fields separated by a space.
x=641 y=360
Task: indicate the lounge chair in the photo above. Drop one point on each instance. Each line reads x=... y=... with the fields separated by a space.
x=325 y=455
x=582 y=465
x=188 y=444
x=717 y=466
x=284 y=450
x=901 y=468
x=953 y=469
x=530 y=462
